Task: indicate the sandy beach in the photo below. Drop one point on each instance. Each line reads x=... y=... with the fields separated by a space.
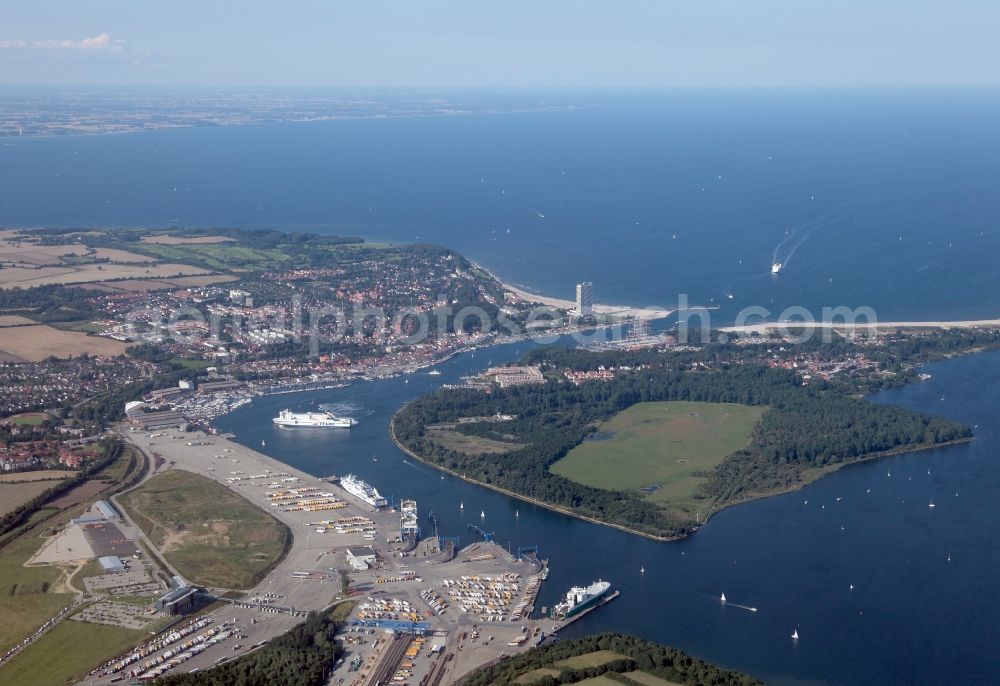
x=771 y=326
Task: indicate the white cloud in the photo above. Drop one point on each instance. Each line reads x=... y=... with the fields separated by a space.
x=101 y=43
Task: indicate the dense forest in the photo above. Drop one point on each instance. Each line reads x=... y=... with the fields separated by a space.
x=640 y=655
x=302 y=657
x=804 y=427
x=51 y=303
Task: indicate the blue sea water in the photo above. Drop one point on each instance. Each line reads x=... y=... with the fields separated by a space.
x=889 y=199
x=886 y=198
x=924 y=607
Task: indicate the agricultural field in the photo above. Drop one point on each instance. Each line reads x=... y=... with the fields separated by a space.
x=217 y=255
x=663 y=449
x=116 y=255
x=13 y=495
x=86 y=273
x=14 y=320
x=210 y=534
x=30 y=254
x=67 y=653
x=37 y=475
x=35 y=343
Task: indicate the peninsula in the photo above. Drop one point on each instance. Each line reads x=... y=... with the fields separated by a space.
x=657 y=440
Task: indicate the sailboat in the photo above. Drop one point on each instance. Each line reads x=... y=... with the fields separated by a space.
x=795 y=634
x=723 y=598
x=482 y=514
x=263 y=442
x=461 y=506
x=642 y=570
x=374 y=458
x=517 y=513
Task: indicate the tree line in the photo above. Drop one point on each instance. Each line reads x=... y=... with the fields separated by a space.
x=637 y=654
x=804 y=427
x=304 y=656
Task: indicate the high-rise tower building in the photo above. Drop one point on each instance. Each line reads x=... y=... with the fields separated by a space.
x=585 y=298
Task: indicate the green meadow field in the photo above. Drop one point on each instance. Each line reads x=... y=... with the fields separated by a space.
x=662 y=448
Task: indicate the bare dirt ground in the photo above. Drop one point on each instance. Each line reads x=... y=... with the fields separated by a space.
x=69 y=545
x=77 y=495
x=35 y=343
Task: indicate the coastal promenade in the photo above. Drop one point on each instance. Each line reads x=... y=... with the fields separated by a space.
x=647 y=313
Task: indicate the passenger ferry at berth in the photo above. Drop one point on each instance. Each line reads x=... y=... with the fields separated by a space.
x=362 y=490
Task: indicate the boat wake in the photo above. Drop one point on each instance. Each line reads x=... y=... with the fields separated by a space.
x=342 y=408
x=785 y=250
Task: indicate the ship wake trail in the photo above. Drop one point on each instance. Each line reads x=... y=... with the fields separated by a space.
x=789 y=245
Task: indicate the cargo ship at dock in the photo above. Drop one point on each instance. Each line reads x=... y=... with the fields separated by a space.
x=312 y=420
x=362 y=490
x=409 y=524
x=580 y=599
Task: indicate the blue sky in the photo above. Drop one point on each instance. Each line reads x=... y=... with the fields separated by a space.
x=511 y=43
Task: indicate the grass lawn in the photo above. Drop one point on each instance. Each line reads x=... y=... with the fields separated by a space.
x=119 y=468
x=26 y=597
x=193 y=364
x=470 y=445
x=213 y=536
x=648 y=679
x=32 y=419
x=84 y=327
x=663 y=447
x=216 y=255
x=594 y=659
x=67 y=653
x=599 y=681
x=537 y=674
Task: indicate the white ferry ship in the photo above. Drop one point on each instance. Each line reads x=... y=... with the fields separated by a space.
x=579 y=599
x=313 y=420
x=362 y=490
